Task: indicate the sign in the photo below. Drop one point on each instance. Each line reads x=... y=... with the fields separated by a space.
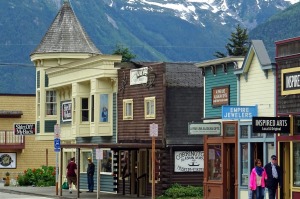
x=204 y=128
x=56 y=144
x=24 y=129
x=153 y=130
x=66 y=111
x=189 y=161
x=8 y=160
x=56 y=131
x=271 y=124
x=139 y=76
x=239 y=112
x=220 y=96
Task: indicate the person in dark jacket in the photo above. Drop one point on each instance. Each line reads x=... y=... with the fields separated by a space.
x=90 y=175
x=274 y=177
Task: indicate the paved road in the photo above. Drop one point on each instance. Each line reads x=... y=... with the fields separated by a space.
x=19 y=196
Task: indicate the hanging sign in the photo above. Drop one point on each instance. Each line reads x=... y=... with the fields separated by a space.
x=271 y=124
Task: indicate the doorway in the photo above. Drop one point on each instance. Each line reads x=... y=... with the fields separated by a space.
x=257 y=152
x=231 y=171
x=284 y=148
x=142 y=173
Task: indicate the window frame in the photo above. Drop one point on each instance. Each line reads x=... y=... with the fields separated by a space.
x=52 y=110
x=150 y=107
x=84 y=159
x=127 y=102
x=85 y=109
x=111 y=162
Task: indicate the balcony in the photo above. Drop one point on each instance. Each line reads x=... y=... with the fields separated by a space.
x=8 y=140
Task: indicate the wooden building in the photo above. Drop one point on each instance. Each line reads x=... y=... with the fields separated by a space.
x=288 y=105
x=171 y=96
x=220 y=149
x=20 y=152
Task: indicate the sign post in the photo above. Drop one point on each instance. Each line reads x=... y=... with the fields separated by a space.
x=57 y=150
x=153 y=134
x=99 y=157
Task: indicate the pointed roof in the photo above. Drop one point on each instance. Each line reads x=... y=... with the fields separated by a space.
x=66 y=35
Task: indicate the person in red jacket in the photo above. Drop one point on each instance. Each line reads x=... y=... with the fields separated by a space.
x=71 y=174
x=257 y=180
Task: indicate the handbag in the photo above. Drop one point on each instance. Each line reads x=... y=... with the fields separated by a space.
x=65 y=185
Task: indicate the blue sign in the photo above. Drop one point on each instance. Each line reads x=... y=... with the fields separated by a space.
x=239 y=112
x=56 y=144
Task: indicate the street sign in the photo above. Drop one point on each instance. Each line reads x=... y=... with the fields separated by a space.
x=56 y=144
x=56 y=131
x=153 y=130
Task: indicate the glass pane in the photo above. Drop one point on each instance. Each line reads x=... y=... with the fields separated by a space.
x=270 y=151
x=296 y=125
x=107 y=161
x=244 y=131
x=244 y=158
x=296 y=165
x=84 y=160
x=214 y=162
x=128 y=109
x=85 y=116
x=229 y=130
x=84 y=103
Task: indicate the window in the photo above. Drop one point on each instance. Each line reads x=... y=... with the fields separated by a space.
x=128 y=109
x=214 y=162
x=244 y=159
x=85 y=154
x=51 y=103
x=157 y=166
x=229 y=129
x=296 y=165
x=244 y=131
x=106 y=162
x=93 y=109
x=84 y=109
x=104 y=108
x=270 y=150
x=38 y=104
x=149 y=106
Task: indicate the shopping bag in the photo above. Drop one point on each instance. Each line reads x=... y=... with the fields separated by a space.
x=65 y=185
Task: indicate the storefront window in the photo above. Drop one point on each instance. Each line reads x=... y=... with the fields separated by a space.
x=296 y=164
x=270 y=151
x=106 y=165
x=244 y=131
x=296 y=124
x=214 y=162
x=229 y=130
x=244 y=158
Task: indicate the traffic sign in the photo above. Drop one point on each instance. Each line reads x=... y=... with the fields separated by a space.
x=57 y=145
x=153 y=130
x=56 y=131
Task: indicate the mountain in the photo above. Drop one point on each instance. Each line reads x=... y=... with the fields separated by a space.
x=154 y=30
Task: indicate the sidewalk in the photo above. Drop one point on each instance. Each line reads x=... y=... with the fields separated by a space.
x=51 y=193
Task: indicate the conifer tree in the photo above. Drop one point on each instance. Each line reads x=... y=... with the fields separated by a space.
x=237 y=45
x=127 y=55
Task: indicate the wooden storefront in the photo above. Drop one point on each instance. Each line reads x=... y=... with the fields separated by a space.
x=288 y=104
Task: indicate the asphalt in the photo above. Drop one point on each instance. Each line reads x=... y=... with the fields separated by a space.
x=50 y=192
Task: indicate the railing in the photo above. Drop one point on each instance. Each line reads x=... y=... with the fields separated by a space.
x=8 y=140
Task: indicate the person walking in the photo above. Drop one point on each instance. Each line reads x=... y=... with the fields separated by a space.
x=257 y=180
x=274 y=177
x=90 y=175
x=72 y=174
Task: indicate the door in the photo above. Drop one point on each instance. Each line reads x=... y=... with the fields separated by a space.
x=142 y=173
x=284 y=148
x=230 y=171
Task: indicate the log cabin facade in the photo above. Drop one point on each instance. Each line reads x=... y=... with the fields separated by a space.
x=171 y=96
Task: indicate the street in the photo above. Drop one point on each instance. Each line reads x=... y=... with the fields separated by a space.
x=14 y=196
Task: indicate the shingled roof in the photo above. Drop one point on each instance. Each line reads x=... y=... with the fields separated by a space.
x=66 y=35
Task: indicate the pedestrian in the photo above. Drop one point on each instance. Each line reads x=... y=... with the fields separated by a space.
x=90 y=175
x=72 y=174
x=257 y=180
x=274 y=177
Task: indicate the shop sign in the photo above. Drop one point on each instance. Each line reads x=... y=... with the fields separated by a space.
x=24 y=129
x=139 y=76
x=66 y=111
x=220 y=96
x=189 y=161
x=271 y=124
x=239 y=112
x=204 y=129
x=290 y=79
x=8 y=160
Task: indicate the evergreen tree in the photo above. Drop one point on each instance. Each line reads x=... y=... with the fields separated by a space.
x=238 y=43
x=127 y=56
